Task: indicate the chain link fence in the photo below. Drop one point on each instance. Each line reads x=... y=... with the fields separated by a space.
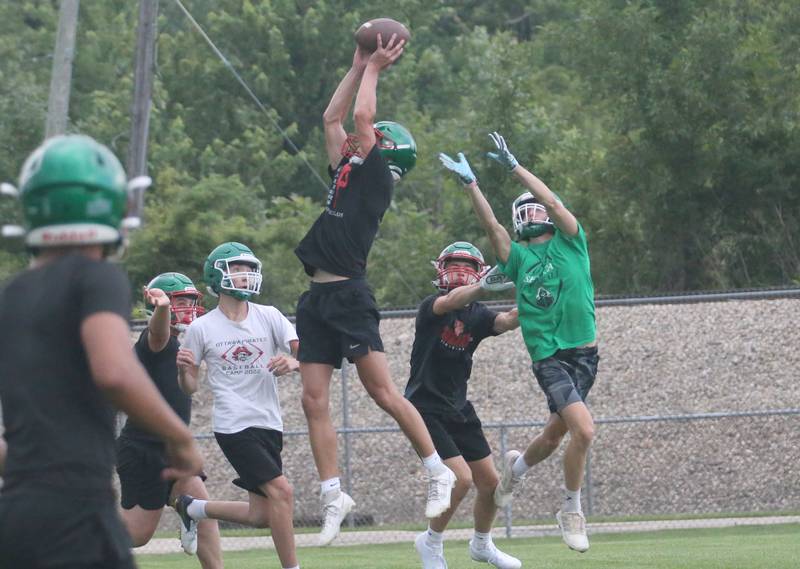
x=697 y=415
x=696 y=406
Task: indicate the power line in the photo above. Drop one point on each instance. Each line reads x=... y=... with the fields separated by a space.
x=253 y=96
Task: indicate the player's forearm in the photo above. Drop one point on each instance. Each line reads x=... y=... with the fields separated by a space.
x=343 y=97
x=501 y=242
x=187 y=381
x=158 y=328
x=457 y=299
x=367 y=99
x=136 y=395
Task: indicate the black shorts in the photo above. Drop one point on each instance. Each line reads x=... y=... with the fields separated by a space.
x=567 y=376
x=139 y=466
x=337 y=320
x=455 y=435
x=255 y=455
x=58 y=530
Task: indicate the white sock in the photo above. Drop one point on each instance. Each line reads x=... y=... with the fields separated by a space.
x=435 y=538
x=572 y=501
x=330 y=485
x=433 y=464
x=520 y=467
x=197 y=509
x=295 y=567
x=481 y=540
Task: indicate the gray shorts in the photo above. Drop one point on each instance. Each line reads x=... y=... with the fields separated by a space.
x=567 y=376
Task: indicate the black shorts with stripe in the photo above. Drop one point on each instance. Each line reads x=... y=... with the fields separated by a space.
x=337 y=320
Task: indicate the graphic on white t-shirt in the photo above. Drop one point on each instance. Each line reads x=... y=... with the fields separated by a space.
x=237 y=356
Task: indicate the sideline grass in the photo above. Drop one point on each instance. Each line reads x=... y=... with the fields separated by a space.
x=743 y=547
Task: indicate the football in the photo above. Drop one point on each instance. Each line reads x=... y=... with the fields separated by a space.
x=367 y=33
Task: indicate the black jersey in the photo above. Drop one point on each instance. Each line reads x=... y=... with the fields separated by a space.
x=441 y=359
x=163 y=369
x=59 y=426
x=341 y=237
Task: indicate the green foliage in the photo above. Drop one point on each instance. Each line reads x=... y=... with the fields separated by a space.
x=670 y=128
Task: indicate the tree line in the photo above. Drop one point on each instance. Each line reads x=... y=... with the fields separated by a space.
x=670 y=128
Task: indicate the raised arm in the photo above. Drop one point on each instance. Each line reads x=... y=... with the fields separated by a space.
x=457 y=298
x=560 y=215
x=339 y=106
x=158 y=325
x=501 y=241
x=366 y=99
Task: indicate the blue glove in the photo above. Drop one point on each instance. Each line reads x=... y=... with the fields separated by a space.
x=503 y=155
x=461 y=167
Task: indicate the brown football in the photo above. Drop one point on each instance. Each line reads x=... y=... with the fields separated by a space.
x=367 y=33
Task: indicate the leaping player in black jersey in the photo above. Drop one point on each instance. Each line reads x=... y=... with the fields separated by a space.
x=337 y=317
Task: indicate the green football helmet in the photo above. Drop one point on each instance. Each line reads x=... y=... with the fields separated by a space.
x=526 y=213
x=449 y=277
x=73 y=192
x=397 y=146
x=177 y=285
x=219 y=278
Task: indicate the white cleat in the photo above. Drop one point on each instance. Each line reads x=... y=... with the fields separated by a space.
x=505 y=488
x=188 y=525
x=573 y=530
x=440 y=487
x=432 y=557
x=493 y=556
x=334 y=512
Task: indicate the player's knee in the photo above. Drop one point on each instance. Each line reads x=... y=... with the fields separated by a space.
x=463 y=482
x=314 y=405
x=583 y=435
x=487 y=484
x=282 y=492
x=384 y=397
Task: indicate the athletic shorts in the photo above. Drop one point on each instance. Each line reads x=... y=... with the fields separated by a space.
x=457 y=436
x=53 y=529
x=337 y=320
x=255 y=455
x=139 y=466
x=567 y=376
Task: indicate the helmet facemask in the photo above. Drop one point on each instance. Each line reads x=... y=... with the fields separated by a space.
x=240 y=284
x=449 y=275
x=184 y=314
x=530 y=218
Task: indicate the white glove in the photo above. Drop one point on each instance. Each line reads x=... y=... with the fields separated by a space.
x=495 y=281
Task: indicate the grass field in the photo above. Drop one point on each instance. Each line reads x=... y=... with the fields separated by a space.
x=745 y=547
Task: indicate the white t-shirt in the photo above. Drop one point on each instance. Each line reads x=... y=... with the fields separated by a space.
x=237 y=354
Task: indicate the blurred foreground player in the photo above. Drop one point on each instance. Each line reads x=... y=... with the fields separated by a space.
x=66 y=362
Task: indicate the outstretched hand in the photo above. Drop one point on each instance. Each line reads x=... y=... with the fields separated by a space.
x=461 y=167
x=387 y=54
x=494 y=280
x=156 y=297
x=503 y=155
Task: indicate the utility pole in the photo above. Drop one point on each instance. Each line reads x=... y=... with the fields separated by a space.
x=61 y=76
x=142 y=91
